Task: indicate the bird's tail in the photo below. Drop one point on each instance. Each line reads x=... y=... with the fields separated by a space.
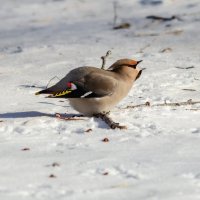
x=55 y=93
x=45 y=91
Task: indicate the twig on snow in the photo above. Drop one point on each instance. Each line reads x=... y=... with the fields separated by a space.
x=75 y=117
x=191 y=67
x=104 y=59
x=197 y=79
x=187 y=89
x=165 y=50
x=115 y=13
x=146 y=46
x=148 y=104
x=153 y=17
x=124 y=25
x=51 y=80
x=193 y=109
x=143 y=48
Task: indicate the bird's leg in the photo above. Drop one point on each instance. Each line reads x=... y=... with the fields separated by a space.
x=109 y=121
x=73 y=117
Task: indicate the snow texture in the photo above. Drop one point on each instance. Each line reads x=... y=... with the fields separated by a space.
x=45 y=158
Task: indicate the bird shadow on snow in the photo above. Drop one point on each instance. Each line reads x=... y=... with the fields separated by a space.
x=28 y=114
x=32 y=86
x=25 y=114
x=100 y=124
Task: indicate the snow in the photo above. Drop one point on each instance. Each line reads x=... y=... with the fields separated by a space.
x=42 y=157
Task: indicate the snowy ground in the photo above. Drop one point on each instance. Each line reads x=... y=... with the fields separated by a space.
x=42 y=157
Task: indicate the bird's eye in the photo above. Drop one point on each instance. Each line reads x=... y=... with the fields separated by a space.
x=134 y=66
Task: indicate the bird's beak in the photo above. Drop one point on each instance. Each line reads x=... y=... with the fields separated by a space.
x=139 y=74
x=139 y=61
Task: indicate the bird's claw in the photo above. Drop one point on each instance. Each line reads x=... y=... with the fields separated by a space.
x=116 y=125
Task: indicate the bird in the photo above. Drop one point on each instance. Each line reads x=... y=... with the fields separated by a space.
x=91 y=90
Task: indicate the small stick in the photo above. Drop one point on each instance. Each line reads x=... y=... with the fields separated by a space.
x=104 y=59
x=187 y=89
x=143 y=48
x=153 y=17
x=191 y=67
x=115 y=13
x=69 y=118
x=109 y=121
x=122 y=25
x=147 y=46
x=147 y=104
x=51 y=80
x=193 y=109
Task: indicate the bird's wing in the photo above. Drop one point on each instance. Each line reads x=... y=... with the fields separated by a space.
x=73 y=75
x=90 y=86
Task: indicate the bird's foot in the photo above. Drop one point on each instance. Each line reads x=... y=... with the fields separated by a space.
x=115 y=125
x=109 y=121
x=73 y=117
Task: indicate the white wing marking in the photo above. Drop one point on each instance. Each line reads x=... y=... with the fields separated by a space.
x=86 y=94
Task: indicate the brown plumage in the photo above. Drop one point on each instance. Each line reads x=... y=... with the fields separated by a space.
x=92 y=90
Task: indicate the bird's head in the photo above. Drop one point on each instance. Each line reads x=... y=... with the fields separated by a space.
x=127 y=67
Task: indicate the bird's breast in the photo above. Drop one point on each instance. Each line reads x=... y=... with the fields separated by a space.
x=91 y=106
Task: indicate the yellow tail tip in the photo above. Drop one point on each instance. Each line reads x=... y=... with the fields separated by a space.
x=37 y=93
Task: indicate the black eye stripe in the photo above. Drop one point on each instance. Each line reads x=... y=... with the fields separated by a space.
x=133 y=66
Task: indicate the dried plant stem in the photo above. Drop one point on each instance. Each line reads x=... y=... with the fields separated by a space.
x=51 y=80
x=148 y=104
x=75 y=117
x=104 y=59
x=153 y=17
x=193 y=109
x=109 y=121
x=115 y=13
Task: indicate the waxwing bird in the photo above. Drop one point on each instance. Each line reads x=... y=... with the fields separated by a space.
x=92 y=90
